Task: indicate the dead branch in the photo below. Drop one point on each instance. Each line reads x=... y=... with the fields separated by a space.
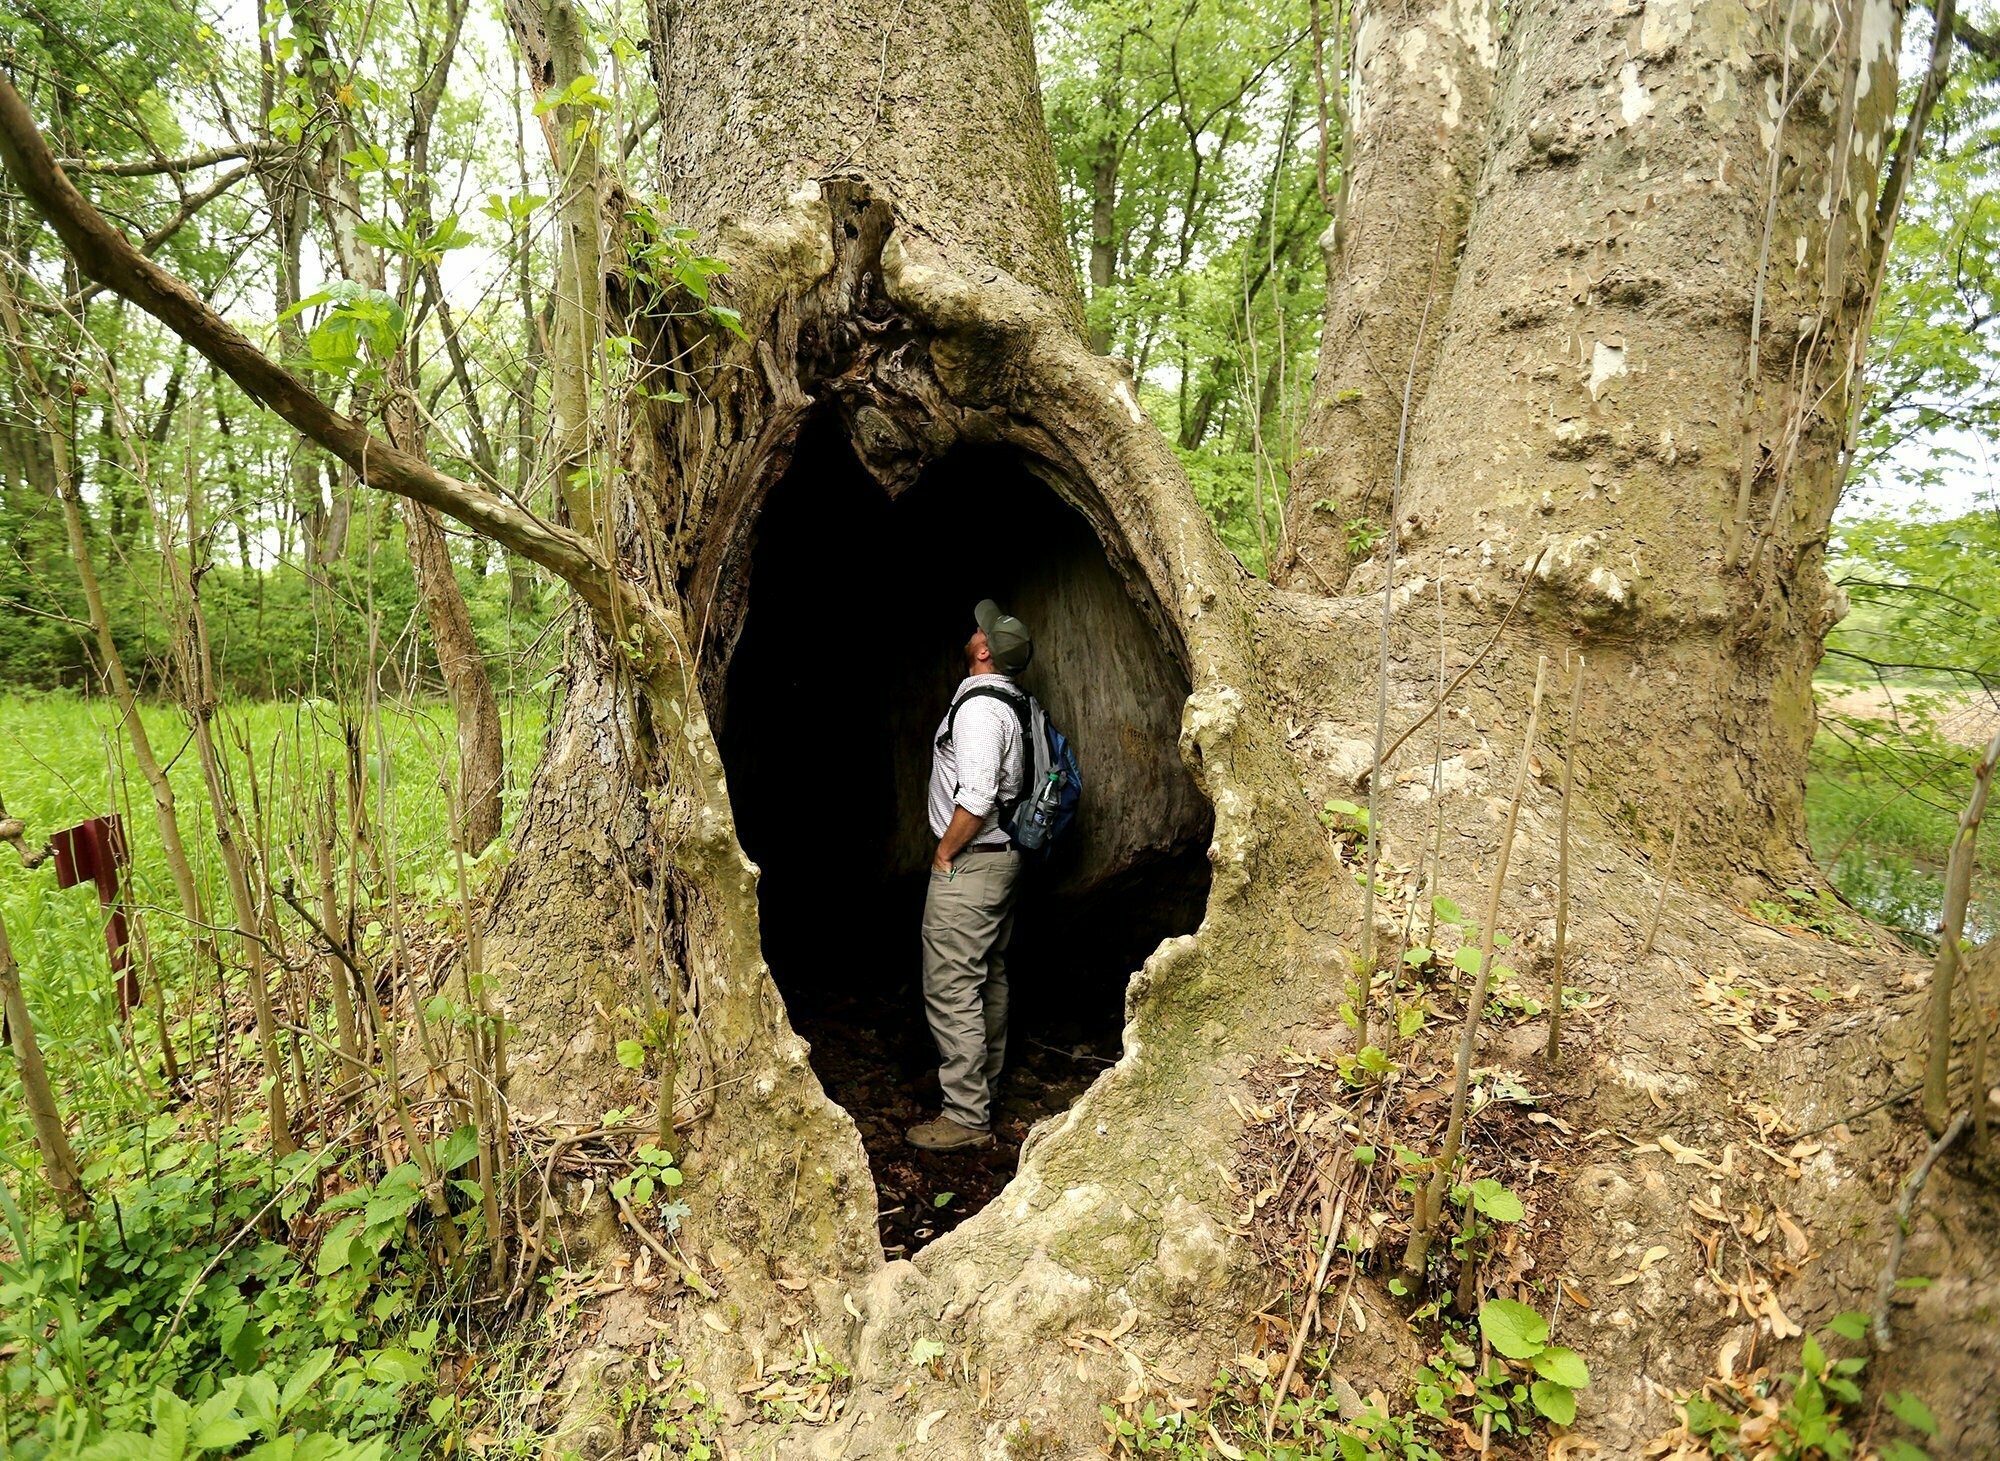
x=154 y=166
x=1527 y=581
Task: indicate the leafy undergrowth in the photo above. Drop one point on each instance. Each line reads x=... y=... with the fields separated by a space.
x=1817 y=1412
x=193 y=1313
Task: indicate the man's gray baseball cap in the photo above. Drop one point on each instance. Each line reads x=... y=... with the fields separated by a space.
x=1007 y=638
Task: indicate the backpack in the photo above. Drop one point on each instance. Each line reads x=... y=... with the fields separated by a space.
x=1046 y=808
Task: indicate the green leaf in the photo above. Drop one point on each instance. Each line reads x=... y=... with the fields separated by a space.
x=1420 y=954
x=1466 y=957
x=1446 y=910
x=924 y=1351
x=631 y=1054
x=303 y=1379
x=1851 y=1326
x=457 y=1149
x=1563 y=1366
x=1496 y=1202
x=1912 y=1412
x=219 y=1434
x=1364 y=1156
x=1705 y=1417
x=1513 y=1328
x=1554 y=1402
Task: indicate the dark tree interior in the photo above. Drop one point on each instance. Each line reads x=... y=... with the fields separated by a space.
x=858 y=608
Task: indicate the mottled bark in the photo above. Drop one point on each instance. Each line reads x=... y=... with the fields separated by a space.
x=1634 y=253
x=1419 y=97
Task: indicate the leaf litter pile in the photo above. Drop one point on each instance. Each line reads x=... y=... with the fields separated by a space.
x=1326 y=1163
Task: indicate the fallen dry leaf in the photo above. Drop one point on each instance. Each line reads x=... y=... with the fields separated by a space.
x=1223 y=1448
x=1782 y=1324
x=1796 y=1246
x=1685 y=1156
x=924 y=1425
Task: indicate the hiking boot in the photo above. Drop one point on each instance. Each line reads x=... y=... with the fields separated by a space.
x=946 y=1135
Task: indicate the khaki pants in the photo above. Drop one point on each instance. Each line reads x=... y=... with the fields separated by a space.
x=968 y=918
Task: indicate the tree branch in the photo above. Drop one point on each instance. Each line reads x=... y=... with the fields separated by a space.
x=1985 y=44
x=153 y=167
x=106 y=256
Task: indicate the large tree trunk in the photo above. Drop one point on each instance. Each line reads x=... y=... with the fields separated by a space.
x=885 y=201
x=1416 y=113
x=891 y=225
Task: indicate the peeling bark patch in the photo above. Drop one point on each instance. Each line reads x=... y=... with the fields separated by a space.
x=1634 y=100
x=1607 y=363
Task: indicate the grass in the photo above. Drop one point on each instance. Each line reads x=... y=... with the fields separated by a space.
x=320 y=1352
x=1882 y=807
x=66 y=759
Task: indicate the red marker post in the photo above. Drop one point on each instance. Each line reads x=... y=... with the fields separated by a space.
x=94 y=851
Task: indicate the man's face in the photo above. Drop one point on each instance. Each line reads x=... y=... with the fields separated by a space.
x=975 y=650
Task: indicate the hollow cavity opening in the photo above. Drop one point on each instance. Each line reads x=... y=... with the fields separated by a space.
x=850 y=646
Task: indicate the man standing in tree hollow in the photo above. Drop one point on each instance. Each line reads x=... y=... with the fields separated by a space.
x=979 y=766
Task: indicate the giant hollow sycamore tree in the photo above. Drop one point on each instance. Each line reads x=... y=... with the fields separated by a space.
x=1598 y=296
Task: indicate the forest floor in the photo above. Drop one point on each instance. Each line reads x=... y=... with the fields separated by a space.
x=876 y=1059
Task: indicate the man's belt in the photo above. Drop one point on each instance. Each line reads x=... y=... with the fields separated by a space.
x=987 y=847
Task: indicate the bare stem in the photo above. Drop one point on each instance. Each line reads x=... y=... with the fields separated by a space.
x=1432 y=1203
x=1885 y=1291
x=1554 y=1052
x=58 y=1160
x=1367 y=974
x=1666 y=881
x=1957 y=893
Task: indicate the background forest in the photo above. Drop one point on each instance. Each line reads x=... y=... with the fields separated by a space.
x=370 y=191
